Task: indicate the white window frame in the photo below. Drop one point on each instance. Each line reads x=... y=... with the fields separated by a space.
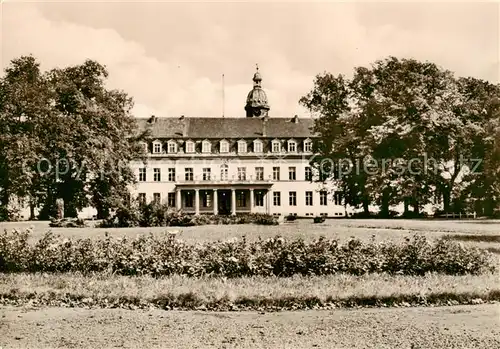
x=192 y=144
x=290 y=143
x=169 y=145
x=258 y=146
x=242 y=146
x=145 y=145
x=276 y=143
x=157 y=143
x=224 y=172
x=308 y=144
x=206 y=146
x=224 y=146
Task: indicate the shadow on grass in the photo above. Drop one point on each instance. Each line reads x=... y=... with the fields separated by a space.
x=474 y=238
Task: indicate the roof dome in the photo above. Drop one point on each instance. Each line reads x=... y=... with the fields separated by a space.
x=257 y=98
x=257 y=103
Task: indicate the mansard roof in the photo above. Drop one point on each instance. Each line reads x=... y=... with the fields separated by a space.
x=219 y=128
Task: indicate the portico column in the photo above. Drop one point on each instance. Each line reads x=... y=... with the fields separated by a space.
x=233 y=202
x=196 y=201
x=216 y=205
x=178 y=199
x=251 y=200
x=268 y=199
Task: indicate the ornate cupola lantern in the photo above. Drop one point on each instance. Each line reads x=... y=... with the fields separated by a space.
x=257 y=104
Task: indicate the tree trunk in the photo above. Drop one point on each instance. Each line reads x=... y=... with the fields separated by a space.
x=4 y=205
x=70 y=210
x=366 y=209
x=102 y=212
x=406 y=204
x=416 y=208
x=384 y=211
x=446 y=200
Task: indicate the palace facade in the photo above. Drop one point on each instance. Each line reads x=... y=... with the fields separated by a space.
x=252 y=164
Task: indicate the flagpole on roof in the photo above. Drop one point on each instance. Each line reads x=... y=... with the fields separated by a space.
x=223 y=102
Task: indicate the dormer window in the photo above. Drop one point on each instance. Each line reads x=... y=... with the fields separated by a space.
x=276 y=146
x=206 y=147
x=224 y=146
x=257 y=146
x=172 y=147
x=292 y=146
x=307 y=146
x=242 y=146
x=145 y=145
x=189 y=147
x=156 y=147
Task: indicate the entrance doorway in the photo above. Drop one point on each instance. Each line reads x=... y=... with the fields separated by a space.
x=224 y=201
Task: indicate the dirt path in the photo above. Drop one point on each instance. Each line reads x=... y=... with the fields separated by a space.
x=447 y=327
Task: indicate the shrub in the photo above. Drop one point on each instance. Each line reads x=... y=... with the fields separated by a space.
x=67 y=223
x=319 y=219
x=159 y=215
x=166 y=255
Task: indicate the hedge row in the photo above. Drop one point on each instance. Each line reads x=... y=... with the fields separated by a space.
x=167 y=255
x=160 y=215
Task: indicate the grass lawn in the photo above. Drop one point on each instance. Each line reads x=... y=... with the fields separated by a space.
x=185 y=292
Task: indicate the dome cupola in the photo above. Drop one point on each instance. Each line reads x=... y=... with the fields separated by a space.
x=257 y=104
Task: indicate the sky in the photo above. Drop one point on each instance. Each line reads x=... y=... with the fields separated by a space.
x=170 y=56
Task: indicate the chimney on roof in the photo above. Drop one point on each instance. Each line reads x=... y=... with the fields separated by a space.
x=264 y=126
x=152 y=119
x=295 y=119
x=184 y=126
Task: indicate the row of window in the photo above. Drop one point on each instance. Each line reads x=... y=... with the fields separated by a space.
x=241 y=198
x=224 y=169
x=242 y=146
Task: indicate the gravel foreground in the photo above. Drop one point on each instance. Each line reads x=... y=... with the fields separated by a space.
x=473 y=326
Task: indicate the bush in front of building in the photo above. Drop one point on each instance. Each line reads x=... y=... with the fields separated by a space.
x=161 y=215
x=167 y=255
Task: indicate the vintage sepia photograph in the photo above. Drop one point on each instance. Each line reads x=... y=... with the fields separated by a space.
x=249 y=174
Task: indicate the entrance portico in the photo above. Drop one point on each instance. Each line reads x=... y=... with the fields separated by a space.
x=224 y=200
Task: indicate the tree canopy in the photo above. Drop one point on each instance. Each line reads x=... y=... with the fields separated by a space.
x=417 y=133
x=63 y=134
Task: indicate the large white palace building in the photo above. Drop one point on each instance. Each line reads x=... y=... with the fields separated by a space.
x=257 y=164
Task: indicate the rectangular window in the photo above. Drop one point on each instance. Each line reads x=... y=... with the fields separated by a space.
x=157 y=175
x=171 y=199
x=242 y=173
x=241 y=199
x=156 y=198
x=142 y=174
x=206 y=174
x=223 y=172
x=276 y=147
x=171 y=174
x=323 y=198
x=188 y=174
x=157 y=148
x=259 y=198
x=292 y=173
x=257 y=147
x=277 y=198
x=206 y=147
x=337 y=198
x=307 y=146
x=188 y=199
x=292 y=147
x=259 y=173
x=308 y=174
x=207 y=199
x=224 y=147
x=142 y=198
x=292 y=198
x=172 y=147
x=189 y=147
x=309 y=198
x=242 y=147
x=276 y=173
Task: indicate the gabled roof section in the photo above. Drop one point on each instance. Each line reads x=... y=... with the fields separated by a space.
x=227 y=128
